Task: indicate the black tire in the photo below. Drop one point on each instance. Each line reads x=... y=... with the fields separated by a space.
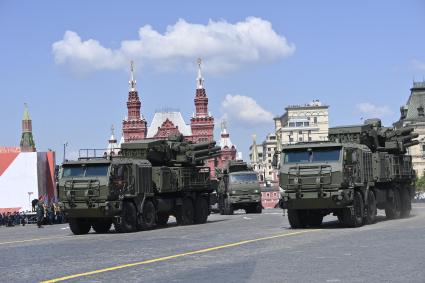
x=201 y=210
x=371 y=209
x=227 y=209
x=249 y=209
x=185 y=213
x=353 y=217
x=102 y=226
x=79 y=226
x=258 y=208
x=220 y=206
x=148 y=217
x=406 y=202
x=314 y=220
x=296 y=218
x=393 y=207
x=162 y=219
x=128 y=222
x=340 y=218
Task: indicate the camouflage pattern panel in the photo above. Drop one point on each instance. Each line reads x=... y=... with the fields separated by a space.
x=175 y=179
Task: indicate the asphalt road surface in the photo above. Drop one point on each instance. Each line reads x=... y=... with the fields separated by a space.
x=238 y=248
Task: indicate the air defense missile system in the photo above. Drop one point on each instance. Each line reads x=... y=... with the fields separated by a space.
x=238 y=188
x=361 y=169
x=149 y=181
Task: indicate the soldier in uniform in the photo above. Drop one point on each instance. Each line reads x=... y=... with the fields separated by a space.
x=40 y=214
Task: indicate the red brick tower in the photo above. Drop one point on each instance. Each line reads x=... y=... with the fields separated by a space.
x=134 y=126
x=201 y=123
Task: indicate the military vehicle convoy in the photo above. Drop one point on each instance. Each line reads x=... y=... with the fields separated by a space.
x=361 y=169
x=238 y=188
x=149 y=181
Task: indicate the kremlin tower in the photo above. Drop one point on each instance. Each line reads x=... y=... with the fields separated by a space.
x=201 y=123
x=134 y=125
x=113 y=147
x=228 y=150
x=27 y=140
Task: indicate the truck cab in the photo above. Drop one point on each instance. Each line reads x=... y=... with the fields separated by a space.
x=321 y=178
x=238 y=188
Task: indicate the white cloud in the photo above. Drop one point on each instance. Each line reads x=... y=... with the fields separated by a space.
x=419 y=65
x=371 y=110
x=245 y=109
x=222 y=45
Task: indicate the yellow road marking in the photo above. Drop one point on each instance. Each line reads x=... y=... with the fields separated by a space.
x=176 y=256
x=33 y=240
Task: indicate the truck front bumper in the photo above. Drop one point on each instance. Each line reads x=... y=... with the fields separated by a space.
x=234 y=199
x=316 y=200
x=93 y=209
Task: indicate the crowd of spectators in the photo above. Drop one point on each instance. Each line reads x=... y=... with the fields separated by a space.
x=52 y=214
x=10 y=219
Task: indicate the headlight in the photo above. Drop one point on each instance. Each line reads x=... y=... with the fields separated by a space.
x=233 y=192
x=256 y=191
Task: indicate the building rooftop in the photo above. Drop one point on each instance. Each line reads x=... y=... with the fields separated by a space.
x=175 y=117
x=415 y=107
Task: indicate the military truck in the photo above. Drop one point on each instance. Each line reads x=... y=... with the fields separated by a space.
x=361 y=169
x=238 y=188
x=149 y=181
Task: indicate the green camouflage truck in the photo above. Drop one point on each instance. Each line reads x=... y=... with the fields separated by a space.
x=361 y=169
x=149 y=181
x=238 y=188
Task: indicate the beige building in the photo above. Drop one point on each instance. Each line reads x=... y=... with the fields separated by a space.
x=298 y=124
x=413 y=115
x=305 y=123
x=261 y=157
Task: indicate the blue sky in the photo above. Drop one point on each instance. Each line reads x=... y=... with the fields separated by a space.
x=358 y=57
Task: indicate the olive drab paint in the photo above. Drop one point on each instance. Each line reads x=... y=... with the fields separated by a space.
x=139 y=188
x=361 y=169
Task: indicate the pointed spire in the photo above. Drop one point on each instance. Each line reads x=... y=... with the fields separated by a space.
x=199 y=79
x=27 y=140
x=26 y=113
x=132 y=81
x=223 y=126
x=112 y=134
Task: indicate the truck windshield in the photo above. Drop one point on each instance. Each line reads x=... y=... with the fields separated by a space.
x=85 y=170
x=312 y=155
x=243 y=178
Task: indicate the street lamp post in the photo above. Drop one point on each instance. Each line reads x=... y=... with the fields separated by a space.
x=29 y=199
x=64 y=150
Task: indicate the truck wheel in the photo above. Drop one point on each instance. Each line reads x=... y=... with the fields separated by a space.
x=296 y=218
x=162 y=219
x=201 y=210
x=220 y=206
x=258 y=208
x=371 y=208
x=128 y=218
x=249 y=209
x=227 y=209
x=185 y=212
x=147 y=219
x=406 y=203
x=393 y=207
x=102 y=225
x=354 y=217
x=79 y=226
x=314 y=220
